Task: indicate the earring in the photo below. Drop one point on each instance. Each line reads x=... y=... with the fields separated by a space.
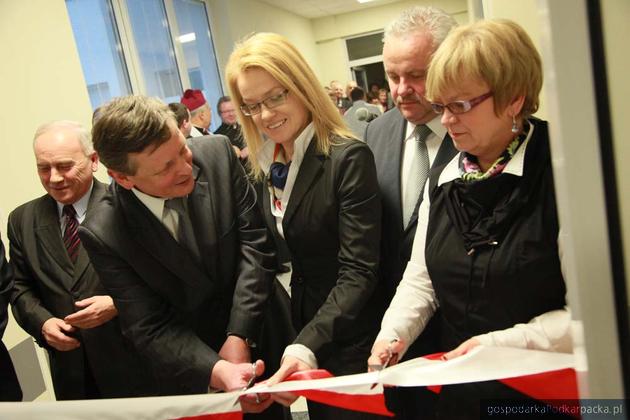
x=514 y=126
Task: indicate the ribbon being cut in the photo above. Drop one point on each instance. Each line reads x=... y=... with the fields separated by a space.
x=540 y=375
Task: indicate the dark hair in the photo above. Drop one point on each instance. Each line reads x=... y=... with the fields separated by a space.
x=180 y=111
x=357 y=94
x=130 y=124
x=222 y=99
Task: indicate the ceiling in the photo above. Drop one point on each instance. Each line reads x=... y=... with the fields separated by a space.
x=318 y=8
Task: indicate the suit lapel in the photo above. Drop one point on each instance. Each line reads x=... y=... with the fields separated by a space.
x=83 y=260
x=398 y=129
x=202 y=214
x=152 y=236
x=310 y=168
x=48 y=233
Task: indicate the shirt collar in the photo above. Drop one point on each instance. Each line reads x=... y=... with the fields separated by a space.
x=154 y=204
x=265 y=157
x=80 y=206
x=436 y=128
x=514 y=166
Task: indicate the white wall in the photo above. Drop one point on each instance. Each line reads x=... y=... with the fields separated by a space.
x=525 y=13
x=232 y=20
x=330 y=31
x=41 y=80
x=616 y=16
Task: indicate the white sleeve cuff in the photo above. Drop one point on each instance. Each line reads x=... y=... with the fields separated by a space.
x=301 y=352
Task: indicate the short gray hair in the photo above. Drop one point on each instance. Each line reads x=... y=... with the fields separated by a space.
x=426 y=19
x=82 y=133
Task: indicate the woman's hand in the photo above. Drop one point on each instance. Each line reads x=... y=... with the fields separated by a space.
x=462 y=349
x=385 y=353
x=289 y=365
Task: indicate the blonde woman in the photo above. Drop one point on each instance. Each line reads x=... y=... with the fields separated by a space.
x=320 y=197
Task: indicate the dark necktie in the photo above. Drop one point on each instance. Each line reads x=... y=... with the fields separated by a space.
x=419 y=173
x=71 y=232
x=185 y=232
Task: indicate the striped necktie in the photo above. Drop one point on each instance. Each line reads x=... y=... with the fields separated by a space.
x=71 y=232
x=418 y=176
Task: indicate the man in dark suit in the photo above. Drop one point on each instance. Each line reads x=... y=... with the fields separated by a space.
x=10 y=389
x=408 y=44
x=408 y=142
x=181 y=246
x=57 y=297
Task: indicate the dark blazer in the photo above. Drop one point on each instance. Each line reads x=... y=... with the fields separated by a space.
x=9 y=386
x=176 y=310
x=332 y=229
x=385 y=137
x=47 y=285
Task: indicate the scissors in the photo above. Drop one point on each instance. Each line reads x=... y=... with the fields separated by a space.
x=390 y=356
x=252 y=380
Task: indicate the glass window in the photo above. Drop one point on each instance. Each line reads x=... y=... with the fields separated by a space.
x=154 y=49
x=196 y=43
x=99 y=49
x=365 y=46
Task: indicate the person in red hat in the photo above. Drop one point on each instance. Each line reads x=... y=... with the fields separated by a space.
x=200 y=114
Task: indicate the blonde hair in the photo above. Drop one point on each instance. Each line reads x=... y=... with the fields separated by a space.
x=497 y=52
x=274 y=54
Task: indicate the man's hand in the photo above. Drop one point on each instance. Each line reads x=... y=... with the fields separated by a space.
x=385 y=351
x=55 y=332
x=228 y=376
x=235 y=350
x=462 y=349
x=289 y=365
x=95 y=311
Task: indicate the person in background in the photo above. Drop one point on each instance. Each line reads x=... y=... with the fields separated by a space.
x=349 y=86
x=486 y=248
x=200 y=113
x=320 y=196
x=360 y=113
x=341 y=101
x=182 y=116
x=10 y=389
x=230 y=127
x=58 y=297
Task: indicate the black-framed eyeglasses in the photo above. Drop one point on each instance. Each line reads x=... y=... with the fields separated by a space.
x=269 y=103
x=459 y=107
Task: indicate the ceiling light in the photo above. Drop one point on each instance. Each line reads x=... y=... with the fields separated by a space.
x=189 y=37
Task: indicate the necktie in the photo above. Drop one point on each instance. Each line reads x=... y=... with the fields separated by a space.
x=71 y=232
x=418 y=174
x=185 y=232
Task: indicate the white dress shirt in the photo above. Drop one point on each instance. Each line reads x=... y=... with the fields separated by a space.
x=80 y=207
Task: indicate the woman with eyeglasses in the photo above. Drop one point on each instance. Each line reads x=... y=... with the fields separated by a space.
x=320 y=198
x=486 y=248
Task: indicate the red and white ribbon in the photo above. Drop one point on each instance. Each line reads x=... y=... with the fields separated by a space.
x=541 y=375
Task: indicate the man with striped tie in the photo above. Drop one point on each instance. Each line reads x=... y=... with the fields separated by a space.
x=57 y=297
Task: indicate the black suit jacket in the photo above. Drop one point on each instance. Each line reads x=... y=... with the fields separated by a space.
x=175 y=310
x=47 y=284
x=385 y=136
x=9 y=386
x=332 y=229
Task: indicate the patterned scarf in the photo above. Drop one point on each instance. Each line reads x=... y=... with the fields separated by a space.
x=469 y=164
x=278 y=172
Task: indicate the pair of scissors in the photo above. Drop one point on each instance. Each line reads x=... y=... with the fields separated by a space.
x=390 y=356
x=252 y=380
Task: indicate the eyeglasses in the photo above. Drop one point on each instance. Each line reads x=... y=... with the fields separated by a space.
x=459 y=107
x=269 y=103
